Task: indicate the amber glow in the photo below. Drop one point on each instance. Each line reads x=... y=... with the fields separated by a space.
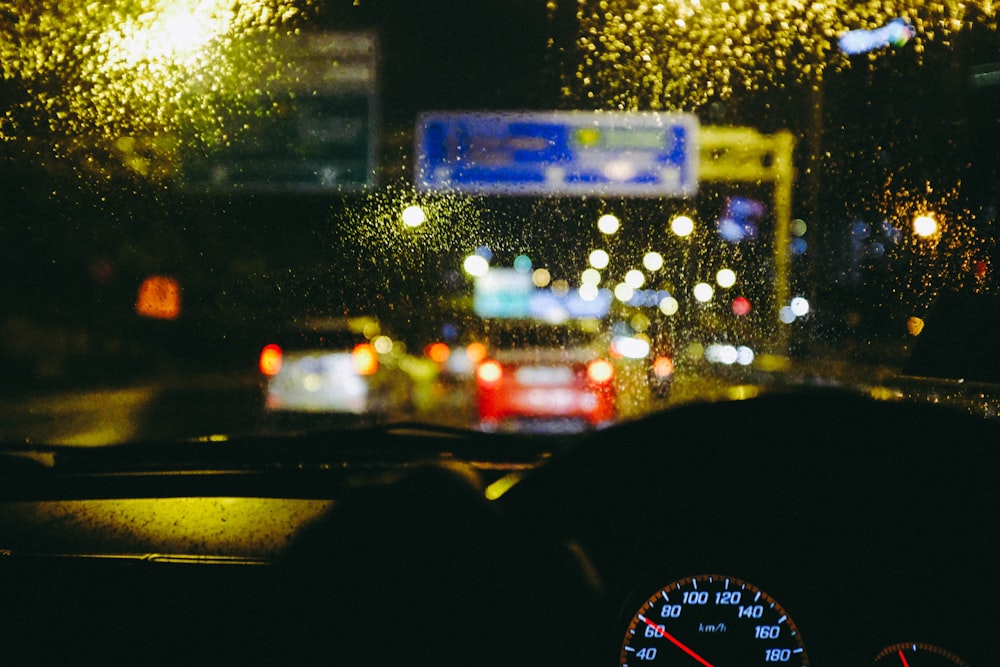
x=600 y=371
x=475 y=352
x=132 y=72
x=663 y=367
x=438 y=352
x=270 y=359
x=159 y=298
x=365 y=359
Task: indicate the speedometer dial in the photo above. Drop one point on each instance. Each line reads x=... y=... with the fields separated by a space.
x=714 y=621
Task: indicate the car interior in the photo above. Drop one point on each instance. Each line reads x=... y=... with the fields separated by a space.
x=410 y=545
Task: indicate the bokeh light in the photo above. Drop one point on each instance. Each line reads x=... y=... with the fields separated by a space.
x=624 y=292
x=635 y=279
x=669 y=305
x=588 y=292
x=703 y=292
x=653 y=261
x=414 y=216
x=725 y=278
x=682 y=225
x=541 y=277
x=925 y=225
x=608 y=224
x=599 y=259
x=476 y=266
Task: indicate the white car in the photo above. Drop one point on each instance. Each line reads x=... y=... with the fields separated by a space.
x=332 y=365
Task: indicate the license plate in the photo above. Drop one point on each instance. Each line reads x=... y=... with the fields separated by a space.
x=544 y=375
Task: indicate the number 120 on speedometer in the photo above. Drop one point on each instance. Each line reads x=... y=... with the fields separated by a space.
x=714 y=621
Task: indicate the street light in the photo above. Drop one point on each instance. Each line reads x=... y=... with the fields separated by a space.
x=476 y=266
x=682 y=225
x=653 y=261
x=725 y=278
x=925 y=225
x=635 y=279
x=414 y=216
x=608 y=224
x=599 y=259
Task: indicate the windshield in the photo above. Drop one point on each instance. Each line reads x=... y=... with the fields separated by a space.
x=227 y=218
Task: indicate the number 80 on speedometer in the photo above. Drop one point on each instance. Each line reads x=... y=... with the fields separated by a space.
x=714 y=621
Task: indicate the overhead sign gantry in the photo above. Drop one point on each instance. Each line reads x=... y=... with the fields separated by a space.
x=607 y=154
x=558 y=153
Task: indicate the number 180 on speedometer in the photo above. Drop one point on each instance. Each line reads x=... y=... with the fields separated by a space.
x=714 y=621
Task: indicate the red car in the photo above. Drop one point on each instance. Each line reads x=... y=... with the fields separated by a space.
x=545 y=377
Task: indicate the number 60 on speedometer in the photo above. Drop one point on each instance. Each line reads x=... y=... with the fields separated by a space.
x=714 y=621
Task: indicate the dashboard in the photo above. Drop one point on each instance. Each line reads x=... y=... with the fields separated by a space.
x=865 y=523
x=807 y=528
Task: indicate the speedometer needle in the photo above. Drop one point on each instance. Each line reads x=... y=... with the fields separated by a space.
x=676 y=642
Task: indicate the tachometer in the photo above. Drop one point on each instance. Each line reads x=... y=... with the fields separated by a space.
x=918 y=654
x=714 y=621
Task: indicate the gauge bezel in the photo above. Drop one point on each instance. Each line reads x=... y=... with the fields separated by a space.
x=763 y=604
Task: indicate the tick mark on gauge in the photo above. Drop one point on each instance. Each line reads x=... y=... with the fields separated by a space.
x=710 y=632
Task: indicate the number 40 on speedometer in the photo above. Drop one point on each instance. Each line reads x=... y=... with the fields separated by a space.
x=714 y=621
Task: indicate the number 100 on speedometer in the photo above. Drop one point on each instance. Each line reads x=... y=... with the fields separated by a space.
x=714 y=621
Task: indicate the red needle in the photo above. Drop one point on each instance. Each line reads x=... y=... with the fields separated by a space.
x=676 y=642
x=903 y=658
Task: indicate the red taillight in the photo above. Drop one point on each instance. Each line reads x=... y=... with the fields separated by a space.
x=600 y=371
x=270 y=359
x=489 y=372
x=663 y=367
x=365 y=359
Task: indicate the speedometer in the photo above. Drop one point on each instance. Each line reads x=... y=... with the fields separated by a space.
x=714 y=621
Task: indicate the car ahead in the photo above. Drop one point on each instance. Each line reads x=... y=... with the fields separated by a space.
x=333 y=365
x=539 y=376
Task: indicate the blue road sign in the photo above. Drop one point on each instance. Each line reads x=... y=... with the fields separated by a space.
x=558 y=153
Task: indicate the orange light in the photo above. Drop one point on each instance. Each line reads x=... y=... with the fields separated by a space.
x=270 y=359
x=475 y=352
x=365 y=359
x=438 y=352
x=600 y=371
x=159 y=298
x=489 y=372
x=663 y=367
